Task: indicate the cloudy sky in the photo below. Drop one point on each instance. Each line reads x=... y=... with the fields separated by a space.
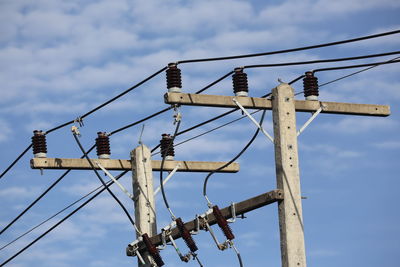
x=59 y=59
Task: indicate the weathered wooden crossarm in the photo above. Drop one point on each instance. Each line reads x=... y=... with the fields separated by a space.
x=122 y=164
x=263 y=103
x=241 y=208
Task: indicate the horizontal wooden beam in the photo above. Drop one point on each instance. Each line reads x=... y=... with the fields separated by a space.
x=263 y=103
x=123 y=164
x=240 y=208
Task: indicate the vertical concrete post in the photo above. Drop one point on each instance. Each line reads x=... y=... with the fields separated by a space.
x=142 y=179
x=288 y=177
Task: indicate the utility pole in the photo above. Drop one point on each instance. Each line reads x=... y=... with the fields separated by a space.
x=145 y=209
x=284 y=108
x=288 y=177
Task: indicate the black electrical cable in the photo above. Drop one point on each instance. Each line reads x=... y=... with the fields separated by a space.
x=374 y=64
x=59 y=212
x=140 y=121
x=110 y=100
x=61 y=221
x=369 y=66
x=211 y=59
x=40 y=197
x=85 y=115
x=162 y=169
x=15 y=161
x=292 y=49
x=235 y=158
x=320 y=60
x=101 y=179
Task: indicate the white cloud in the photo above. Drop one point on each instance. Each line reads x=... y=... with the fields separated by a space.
x=354 y=125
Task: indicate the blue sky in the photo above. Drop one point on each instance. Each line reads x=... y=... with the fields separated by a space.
x=59 y=59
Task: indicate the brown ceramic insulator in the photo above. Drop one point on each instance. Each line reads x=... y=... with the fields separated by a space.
x=310 y=83
x=239 y=80
x=152 y=250
x=187 y=237
x=102 y=144
x=39 y=142
x=222 y=223
x=174 y=78
x=167 y=145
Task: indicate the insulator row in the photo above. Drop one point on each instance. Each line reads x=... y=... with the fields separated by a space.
x=39 y=144
x=167 y=147
x=152 y=250
x=174 y=79
x=103 y=145
x=187 y=237
x=240 y=84
x=222 y=223
x=310 y=83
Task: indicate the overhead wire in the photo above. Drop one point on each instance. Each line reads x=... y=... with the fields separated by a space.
x=162 y=170
x=39 y=197
x=102 y=181
x=232 y=160
x=233 y=110
x=291 y=49
x=123 y=93
x=61 y=221
x=111 y=133
x=217 y=59
x=55 y=214
x=85 y=115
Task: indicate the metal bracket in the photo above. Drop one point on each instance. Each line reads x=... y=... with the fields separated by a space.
x=315 y=114
x=253 y=120
x=168 y=178
x=233 y=211
x=134 y=249
x=115 y=180
x=220 y=246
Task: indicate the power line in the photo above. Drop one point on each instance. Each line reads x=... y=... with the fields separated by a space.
x=54 y=215
x=204 y=60
x=15 y=161
x=85 y=115
x=233 y=159
x=101 y=179
x=61 y=221
x=292 y=49
x=39 y=197
x=320 y=61
x=162 y=169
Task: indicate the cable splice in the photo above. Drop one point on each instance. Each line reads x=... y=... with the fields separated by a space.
x=152 y=250
x=240 y=83
x=222 y=223
x=186 y=235
x=310 y=83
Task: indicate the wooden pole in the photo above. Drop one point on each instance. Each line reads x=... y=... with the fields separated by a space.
x=288 y=178
x=145 y=213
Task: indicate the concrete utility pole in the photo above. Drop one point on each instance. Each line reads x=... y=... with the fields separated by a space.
x=284 y=108
x=145 y=209
x=288 y=177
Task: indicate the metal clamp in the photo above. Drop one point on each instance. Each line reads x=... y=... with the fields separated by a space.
x=133 y=250
x=233 y=212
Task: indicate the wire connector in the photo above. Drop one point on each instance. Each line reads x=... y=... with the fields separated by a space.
x=75 y=131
